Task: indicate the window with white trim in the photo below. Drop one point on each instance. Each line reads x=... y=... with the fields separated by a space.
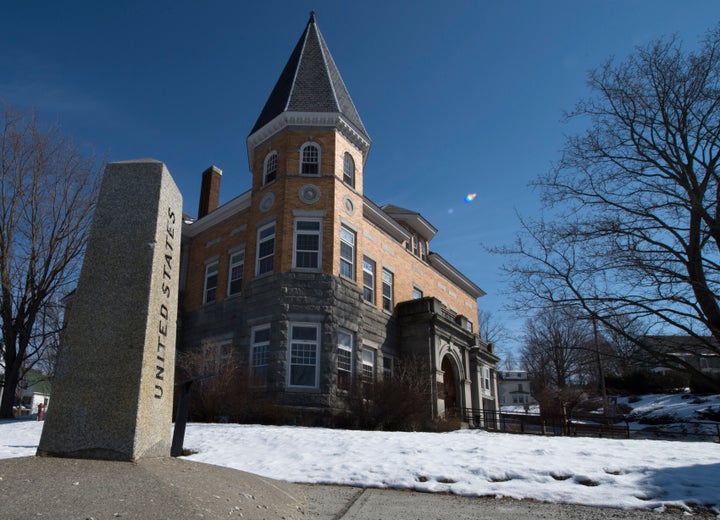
x=347 y=252
x=270 y=168
x=423 y=250
x=265 y=249
x=368 y=366
x=486 y=387
x=211 y=280
x=348 y=170
x=307 y=244
x=344 y=359
x=417 y=293
x=310 y=159
x=259 y=360
x=387 y=367
x=304 y=348
x=387 y=290
x=235 y=272
x=368 y=280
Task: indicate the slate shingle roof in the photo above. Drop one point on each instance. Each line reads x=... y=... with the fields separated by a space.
x=310 y=82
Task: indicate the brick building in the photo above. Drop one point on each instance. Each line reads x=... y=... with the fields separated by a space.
x=311 y=284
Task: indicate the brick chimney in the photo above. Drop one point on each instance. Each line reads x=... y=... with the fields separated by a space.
x=209 y=191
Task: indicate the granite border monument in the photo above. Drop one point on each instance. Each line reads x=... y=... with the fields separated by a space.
x=114 y=379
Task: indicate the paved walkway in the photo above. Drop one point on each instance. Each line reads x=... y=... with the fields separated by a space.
x=347 y=503
x=176 y=489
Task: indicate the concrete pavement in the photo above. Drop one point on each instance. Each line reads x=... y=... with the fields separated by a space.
x=151 y=489
x=176 y=489
x=348 y=503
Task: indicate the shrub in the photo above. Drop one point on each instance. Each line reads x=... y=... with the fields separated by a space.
x=647 y=382
x=705 y=385
x=400 y=403
x=216 y=392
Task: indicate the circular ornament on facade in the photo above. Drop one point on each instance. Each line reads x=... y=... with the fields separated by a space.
x=349 y=205
x=309 y=193
x=267 y=202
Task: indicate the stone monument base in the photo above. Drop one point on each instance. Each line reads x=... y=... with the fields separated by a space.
x=160 y=488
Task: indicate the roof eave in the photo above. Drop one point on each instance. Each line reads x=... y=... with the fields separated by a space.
x=308 y=119
x=374 y=214
x=445 y=268
x=239 y=203
x=417 y=222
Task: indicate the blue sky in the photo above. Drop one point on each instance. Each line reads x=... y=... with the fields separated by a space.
x=459 y=97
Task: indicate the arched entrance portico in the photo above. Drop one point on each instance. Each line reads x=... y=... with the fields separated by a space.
x=450 y=390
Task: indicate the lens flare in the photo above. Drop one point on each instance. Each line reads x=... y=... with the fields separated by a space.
x=470 y=197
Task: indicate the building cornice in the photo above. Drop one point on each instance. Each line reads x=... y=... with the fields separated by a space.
x=377 y=216
x=236 y=205
x=442 y=266
x=413 y=219
x=307 y=119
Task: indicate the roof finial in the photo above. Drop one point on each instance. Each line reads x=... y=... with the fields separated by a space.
x=312 y=16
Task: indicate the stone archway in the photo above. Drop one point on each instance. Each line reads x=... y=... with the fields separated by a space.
x=450 y=385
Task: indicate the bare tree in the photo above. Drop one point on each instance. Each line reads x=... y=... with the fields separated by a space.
x=47 y=341
x=489 y=328
x=633 y=222
x=47 y=194
x=618 y=345
x=494 y=331
x=558 y=356
x=556 y=347
x=509 y=360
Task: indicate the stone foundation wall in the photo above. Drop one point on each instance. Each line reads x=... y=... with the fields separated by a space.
x=280 y=299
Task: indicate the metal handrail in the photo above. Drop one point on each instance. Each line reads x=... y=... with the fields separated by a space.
x=595 y=425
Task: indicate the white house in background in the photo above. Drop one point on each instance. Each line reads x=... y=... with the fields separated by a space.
x=514 y=388
x=36 y=390
x=33 y=389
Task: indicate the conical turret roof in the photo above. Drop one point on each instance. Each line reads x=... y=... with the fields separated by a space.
x=311 y=83
x=309 y=92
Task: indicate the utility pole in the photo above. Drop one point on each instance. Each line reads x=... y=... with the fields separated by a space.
x=601 y=370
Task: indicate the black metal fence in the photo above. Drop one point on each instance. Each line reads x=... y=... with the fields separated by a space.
x=590 y=425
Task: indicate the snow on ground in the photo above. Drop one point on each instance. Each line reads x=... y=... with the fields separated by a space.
x=602 y=472
x=681 y=407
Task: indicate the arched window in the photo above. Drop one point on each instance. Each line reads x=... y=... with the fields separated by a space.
x=310 y=159
x=270 y=168
x=348 y=170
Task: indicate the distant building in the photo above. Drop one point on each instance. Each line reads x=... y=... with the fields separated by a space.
x=32 y=390
x=695 y=351
x=514 y=388
x=311 y=284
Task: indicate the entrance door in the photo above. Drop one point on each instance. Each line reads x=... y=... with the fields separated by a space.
x=450 y=386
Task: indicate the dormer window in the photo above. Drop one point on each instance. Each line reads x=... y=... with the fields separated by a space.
x=417 y=246
x=270 y=168
x=310 y=159
x=349 y=170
